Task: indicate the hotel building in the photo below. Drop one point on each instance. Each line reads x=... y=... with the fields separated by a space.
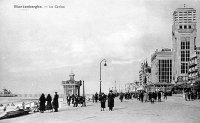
x=183 y=41
x=194 y=66
x=161 y=66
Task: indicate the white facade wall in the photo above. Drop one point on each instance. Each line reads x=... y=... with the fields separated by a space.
x=183 y=30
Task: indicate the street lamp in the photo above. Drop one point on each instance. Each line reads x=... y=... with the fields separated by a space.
x=100 y=72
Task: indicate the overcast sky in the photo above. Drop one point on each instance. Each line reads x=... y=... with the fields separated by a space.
x=40 y=47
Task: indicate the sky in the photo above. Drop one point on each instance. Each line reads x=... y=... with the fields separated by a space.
x=39 y=48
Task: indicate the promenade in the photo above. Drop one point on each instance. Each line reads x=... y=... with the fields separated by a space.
x=173 y=110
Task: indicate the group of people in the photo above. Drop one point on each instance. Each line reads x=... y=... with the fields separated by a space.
x=48 y=104
x=151 y=96
x=75 y=100
x=189 y=95
x=143 y=96
x=95 y=97
x=103 y=97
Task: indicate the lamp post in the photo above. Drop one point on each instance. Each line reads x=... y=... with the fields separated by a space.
x=100 y=72
x=84 y=103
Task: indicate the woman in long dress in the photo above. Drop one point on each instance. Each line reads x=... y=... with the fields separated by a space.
x=49 y=105
x=103 y=101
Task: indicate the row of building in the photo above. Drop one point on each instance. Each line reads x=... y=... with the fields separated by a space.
x=178 y=65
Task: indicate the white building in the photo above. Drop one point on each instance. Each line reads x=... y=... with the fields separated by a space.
x=161 y=66
x=194 y=66
x=184 y=41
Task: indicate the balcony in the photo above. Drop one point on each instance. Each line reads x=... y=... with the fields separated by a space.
x=185 y=30
x=192 y=65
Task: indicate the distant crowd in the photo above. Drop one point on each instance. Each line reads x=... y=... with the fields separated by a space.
x=75 y=100
x=190 y=95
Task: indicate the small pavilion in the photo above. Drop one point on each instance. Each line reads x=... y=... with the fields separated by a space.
x=71 y=86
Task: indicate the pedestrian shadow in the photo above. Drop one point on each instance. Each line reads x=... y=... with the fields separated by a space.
x=120 y=108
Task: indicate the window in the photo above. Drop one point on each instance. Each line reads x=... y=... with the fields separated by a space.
x=189 y=27
x=185 y=27
x=165 y=70
x=180 y=27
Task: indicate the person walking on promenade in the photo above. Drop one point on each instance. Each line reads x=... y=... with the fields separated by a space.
x=152 y=97
x=96 y=97
x=42 y=103
x=145 y=96
x=165 y=95
x=111 y=98
x=75 y=100
x=186 y=96
x=68 y=100
x=102 y=98
x=49 y=105
x=155 y=96
x=55 y=102
x=93 y=98
x=189 y=95
x=141 y=96
x=198 y=94
x=192 y=96
x=121 y=96
x=159 y=96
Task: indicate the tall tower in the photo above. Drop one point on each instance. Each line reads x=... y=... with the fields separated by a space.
x=184 y=41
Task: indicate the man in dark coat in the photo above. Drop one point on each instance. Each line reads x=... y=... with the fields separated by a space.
x=96 y=97
x=159 y=96
x=68 y=100
x=111 y=98
x=121 y=96
x=55 y=102
x=165 y=95
x=42 y=103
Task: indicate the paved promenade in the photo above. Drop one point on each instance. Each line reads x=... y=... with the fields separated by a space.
x=172 y=110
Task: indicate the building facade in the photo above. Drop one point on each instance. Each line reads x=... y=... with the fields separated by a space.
x=144 y=73
x=71 y=86
x=194 y=66
x=183 y=41
x=161 y=66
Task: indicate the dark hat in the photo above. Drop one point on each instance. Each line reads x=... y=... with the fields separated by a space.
x=111 y=91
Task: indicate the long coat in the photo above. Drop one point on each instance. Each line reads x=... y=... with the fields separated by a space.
x=111 y=97
x=42 y=103
x=49 y=99
x=55 y=102
x=103 y=101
